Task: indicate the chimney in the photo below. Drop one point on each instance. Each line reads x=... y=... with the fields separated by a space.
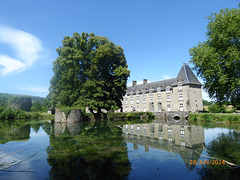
x=134 y=83
x=144 y=81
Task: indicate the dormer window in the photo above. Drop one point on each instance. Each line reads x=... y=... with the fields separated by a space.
x=151 y=90
x=180 y=84
x=159 y=89
x=168 y=90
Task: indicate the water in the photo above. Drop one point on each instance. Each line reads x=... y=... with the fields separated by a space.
x=118 y=150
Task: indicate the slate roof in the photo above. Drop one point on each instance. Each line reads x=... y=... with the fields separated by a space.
x=185 y=75
x=151 y=86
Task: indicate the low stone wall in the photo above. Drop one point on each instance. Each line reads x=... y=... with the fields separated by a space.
x=75 y=115
x=171 y=114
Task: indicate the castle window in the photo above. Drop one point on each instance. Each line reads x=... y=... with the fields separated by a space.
x=182 y=133
x=159 y=98
x=144 y=109
x=181 y=106
x=151 y=99
x=179 y=86
x=144 y=98
x=159 y=90
x=169 y=131
x=131 y=100
x=126 y=101
x=137 y=99
x=133 y=109
x=183 y=144
x=168 y=97
x=168 y=107
x=126 y=109
x=180 y=97
x=168 y=90
x=137 y=108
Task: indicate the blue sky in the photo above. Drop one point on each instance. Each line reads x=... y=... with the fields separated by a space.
x=156 y=36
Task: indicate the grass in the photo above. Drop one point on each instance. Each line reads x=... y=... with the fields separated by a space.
x=215 y=117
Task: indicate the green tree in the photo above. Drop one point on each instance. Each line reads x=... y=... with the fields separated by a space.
x=91 y=71
x=36 y=106
x=217 y=60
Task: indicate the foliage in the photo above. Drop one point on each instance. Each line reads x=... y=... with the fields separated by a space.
x=214 y=117
x=217 y=108
x=67 y=109
x=217 y=60
x=92 y=150
x=8 y=113
x=226 y=147
x=36 y=106
x=90 y=71
x=206 y=103
x=7 y=99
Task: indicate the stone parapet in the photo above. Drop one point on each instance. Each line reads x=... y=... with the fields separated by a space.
x=171 y=114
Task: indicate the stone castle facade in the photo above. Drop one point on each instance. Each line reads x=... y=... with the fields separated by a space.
x=183 y=93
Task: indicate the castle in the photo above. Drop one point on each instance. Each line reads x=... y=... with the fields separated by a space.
x=182 y=93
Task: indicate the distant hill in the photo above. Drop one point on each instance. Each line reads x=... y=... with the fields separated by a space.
x=5 y=98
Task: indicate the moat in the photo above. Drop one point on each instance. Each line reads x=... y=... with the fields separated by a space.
x=166 y=149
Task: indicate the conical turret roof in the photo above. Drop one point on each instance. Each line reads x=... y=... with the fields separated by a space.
x=186 y=76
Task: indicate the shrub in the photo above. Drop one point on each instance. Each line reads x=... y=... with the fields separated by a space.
x=7 y=113
x=217 y=108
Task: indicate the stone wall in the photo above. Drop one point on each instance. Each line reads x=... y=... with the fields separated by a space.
x=75 y=115
x=171 y=114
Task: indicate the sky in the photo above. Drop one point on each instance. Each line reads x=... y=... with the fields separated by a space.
x=156 y=36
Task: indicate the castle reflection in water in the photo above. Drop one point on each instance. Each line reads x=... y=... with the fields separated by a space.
x=177 y=137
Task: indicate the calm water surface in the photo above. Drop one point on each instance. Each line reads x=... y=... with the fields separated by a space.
x=112 y=150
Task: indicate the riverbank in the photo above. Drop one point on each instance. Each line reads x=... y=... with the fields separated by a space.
x=8 y=113
x=214 y=117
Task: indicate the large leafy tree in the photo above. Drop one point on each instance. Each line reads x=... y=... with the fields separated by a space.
x=91 y=71
x=217 y=60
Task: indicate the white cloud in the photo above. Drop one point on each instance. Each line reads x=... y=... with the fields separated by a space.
x=35 y=89
x=10 y=64
x=165 y=77
x=26 y=46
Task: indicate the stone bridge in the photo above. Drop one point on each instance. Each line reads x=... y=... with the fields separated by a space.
x=171 y=115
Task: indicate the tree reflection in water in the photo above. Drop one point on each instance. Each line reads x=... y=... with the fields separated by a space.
x=87 y=151
x=225 y=147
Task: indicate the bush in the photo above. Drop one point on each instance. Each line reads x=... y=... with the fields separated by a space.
x=7 y=113
x=238 y=107
x=217 y=108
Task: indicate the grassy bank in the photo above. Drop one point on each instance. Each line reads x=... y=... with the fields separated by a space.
x=8 y=113
x=214 y=117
